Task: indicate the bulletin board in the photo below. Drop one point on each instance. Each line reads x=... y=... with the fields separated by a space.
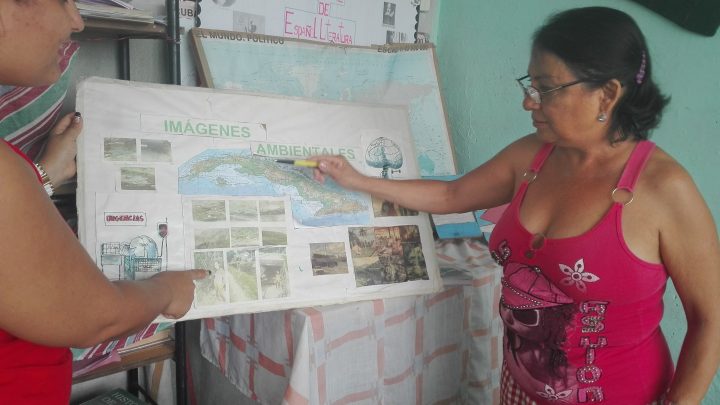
x=345 y=22
x=173 y=177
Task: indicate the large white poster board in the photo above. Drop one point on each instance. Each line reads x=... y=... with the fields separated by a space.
x=174 y=177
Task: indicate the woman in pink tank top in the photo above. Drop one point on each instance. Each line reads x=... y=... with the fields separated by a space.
x=598 y=219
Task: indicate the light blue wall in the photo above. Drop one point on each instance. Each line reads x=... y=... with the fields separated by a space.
x=483 y=45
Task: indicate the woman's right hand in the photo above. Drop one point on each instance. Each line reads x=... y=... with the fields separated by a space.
x=181 y=285
x=58 y=157
x=339 y=169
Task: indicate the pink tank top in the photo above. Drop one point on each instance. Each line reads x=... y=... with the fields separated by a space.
x=582 y=314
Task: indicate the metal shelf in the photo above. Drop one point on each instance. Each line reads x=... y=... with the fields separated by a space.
x=124 y=31
x=98 y=26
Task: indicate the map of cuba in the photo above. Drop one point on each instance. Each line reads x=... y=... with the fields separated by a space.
x=235 y=172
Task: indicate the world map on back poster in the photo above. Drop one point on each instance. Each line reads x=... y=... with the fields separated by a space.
x=173 y=178
x=400 y=74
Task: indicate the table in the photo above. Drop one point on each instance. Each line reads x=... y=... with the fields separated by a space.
x=443 y=348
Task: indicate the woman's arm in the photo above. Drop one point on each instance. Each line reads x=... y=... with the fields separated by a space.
x=51 y=291
x=489 y=185
x=691 y=253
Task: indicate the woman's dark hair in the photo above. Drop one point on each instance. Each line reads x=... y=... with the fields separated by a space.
x=599 y=44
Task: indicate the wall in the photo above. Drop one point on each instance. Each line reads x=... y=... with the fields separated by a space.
x=484 y=45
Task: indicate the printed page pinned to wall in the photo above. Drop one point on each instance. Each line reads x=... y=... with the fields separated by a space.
x=173 y=177
x=343 y=22
x=400 y=74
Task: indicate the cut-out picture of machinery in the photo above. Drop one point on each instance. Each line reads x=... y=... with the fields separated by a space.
x=136 y=259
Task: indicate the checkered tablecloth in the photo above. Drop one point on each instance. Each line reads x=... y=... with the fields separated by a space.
x=435 y=349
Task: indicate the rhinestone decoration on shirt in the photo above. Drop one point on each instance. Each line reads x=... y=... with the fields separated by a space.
x=535 y=303
x=502 y=254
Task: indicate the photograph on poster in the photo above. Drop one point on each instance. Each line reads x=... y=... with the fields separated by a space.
x=386 y=255
x=328 y=258
x=389 y=13
x=120 y=149
x=247 y=22
x=385 y=208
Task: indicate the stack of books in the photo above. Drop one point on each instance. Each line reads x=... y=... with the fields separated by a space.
x=116 y=10
x=90 y=359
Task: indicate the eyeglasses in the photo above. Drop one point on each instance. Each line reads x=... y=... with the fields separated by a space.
x=535 y=94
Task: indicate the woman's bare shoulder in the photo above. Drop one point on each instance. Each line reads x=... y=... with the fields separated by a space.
x=668 y=183
x=665 y=174
x=521 y=152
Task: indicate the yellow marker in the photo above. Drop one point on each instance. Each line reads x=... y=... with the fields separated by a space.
x=298 y=162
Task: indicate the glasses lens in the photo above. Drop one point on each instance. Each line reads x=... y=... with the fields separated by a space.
x=528 y=90
x=534 y=94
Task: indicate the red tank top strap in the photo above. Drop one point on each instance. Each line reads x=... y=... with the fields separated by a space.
x=540 y=157
x=24 y=156
x=537 y=163
x=635 y=165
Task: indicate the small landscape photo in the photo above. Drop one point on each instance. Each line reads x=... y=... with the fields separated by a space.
x=272 y=211
x=244 y=236
x=274 y=281
x=120 y=149
x=328 y=258
x=243 y=210
x=274 y=236
x=243 y=270
x=137 y=178
x=212 y=238
x=208 y=210
x=155 y=151
x=212 y=289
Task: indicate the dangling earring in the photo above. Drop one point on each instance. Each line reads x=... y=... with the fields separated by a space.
x=602 y=117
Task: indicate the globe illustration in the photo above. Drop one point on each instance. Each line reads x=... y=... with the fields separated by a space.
x=142 y=246
x=384 y=154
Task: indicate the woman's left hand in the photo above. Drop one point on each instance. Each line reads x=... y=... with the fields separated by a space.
x=58 y=158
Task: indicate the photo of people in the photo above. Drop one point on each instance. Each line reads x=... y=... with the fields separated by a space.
x=389 y=13
x=250 y=23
